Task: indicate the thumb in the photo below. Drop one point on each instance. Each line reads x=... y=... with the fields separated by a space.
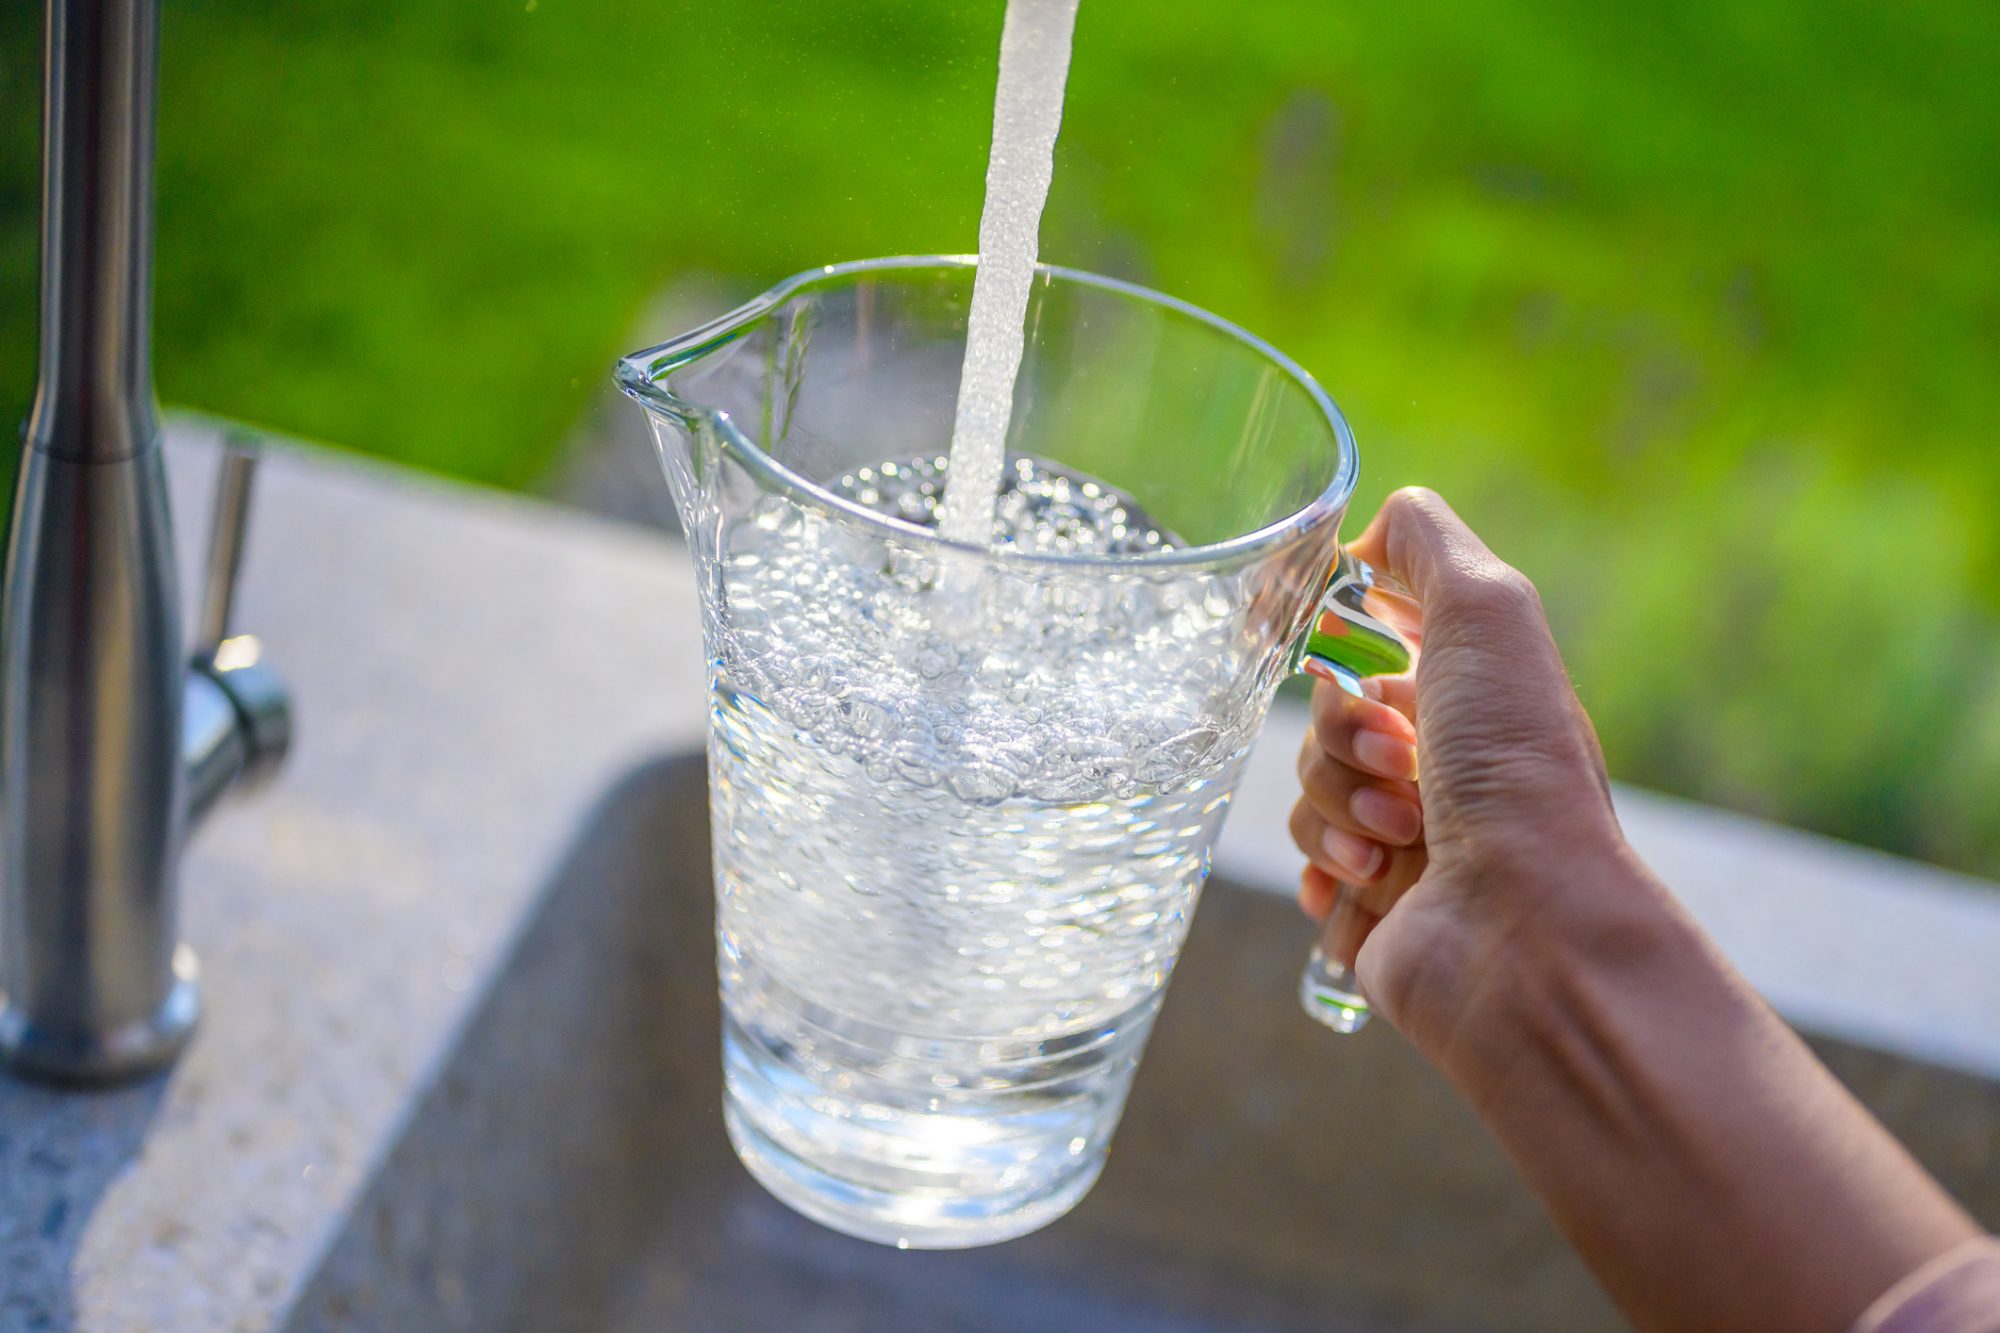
x=1472 y=601
x=1490 y=667
x=1419 y=541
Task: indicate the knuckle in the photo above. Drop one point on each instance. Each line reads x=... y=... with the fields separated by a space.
x=1330 y=728
x=1521 y=590
x=1316 y=770
x=1308 y=753
x=1301 y=825
x=1498 y=590
x=1413 y=520
x=1327 y=788
x=1418 y=502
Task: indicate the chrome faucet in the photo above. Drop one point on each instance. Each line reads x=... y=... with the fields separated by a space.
x=113 y=739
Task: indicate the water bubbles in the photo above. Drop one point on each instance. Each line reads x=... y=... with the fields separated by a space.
x=917 y=764
x=777 y=515
x=1019 y=682
x=913 y=571
x=1179 y=756
x=1019 y=758
x=868 y=718
x=1136 y=735
x=1079 y=768
x=980 y=783
x=934 y=659
x=1042 y=507
x=1060 y=601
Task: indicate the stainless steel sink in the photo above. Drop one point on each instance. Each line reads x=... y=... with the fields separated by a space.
x=567 y=1169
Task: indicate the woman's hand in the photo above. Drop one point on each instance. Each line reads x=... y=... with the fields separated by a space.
x=1431 y=890
x=1707 y=1167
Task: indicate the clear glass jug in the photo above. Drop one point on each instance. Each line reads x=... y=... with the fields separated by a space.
x=964 y=797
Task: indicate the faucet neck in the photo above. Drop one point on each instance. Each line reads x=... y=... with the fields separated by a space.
x=94 y=394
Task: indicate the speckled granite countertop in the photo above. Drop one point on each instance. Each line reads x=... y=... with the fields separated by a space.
x=470 y=671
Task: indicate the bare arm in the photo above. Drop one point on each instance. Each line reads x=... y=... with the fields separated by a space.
x=1708 y=1168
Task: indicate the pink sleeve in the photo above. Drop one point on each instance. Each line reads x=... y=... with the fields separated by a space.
x=1957 y=1292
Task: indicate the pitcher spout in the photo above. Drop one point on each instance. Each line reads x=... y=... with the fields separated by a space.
x=665 y=380
x=652 y=377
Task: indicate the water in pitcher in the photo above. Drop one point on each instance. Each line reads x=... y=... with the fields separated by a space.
x=958 y=842
x=987 y=841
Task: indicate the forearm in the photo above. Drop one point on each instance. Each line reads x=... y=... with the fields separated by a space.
x=1707 y=1167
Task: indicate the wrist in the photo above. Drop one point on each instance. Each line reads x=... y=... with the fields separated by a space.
x=1659 y=1107
x=1547 y=989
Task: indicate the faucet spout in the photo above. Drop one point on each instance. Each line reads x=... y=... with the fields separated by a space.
x=107 y=746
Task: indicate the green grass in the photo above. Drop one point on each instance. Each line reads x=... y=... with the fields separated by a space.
x=1694 y=311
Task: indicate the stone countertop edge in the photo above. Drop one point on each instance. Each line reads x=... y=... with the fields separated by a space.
x=1846 y=942
x=470 y=671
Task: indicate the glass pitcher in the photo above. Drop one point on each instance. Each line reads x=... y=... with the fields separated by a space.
x=964 y=797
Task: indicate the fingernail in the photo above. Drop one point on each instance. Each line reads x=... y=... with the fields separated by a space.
x=1316 y=668
x=1390 y=817
x=1385 y=755
x=1357 y=858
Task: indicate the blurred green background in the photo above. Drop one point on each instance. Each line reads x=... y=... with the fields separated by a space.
x=1693 y=310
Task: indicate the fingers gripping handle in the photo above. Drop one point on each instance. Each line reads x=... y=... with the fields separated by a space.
x=1345 y=644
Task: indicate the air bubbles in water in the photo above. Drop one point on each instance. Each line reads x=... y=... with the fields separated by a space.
x=1042 y=507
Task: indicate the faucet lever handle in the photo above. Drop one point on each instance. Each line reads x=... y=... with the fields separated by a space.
x=228 y=522
x=237 y=715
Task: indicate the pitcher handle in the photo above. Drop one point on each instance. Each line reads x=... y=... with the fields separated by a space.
x=1345 y=643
